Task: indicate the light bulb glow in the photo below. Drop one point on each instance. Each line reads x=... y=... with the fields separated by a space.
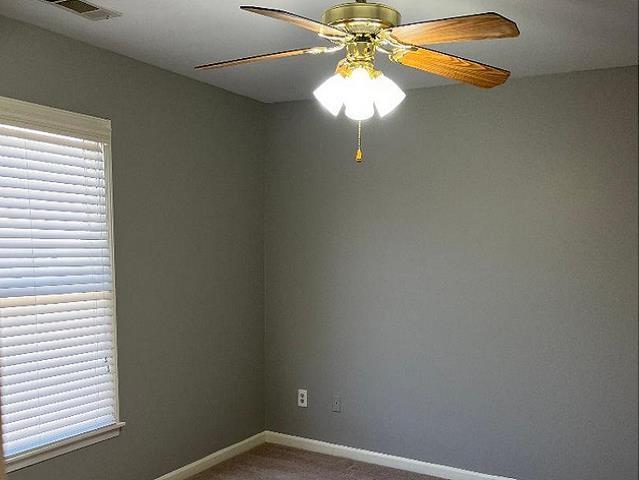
x=359 y=95
x=361 y=92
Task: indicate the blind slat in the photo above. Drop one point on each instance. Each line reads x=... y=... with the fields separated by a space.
x=59 y=397
x=62 y=387
x=42 y=338
x=52 y=177
x=51 y=374
x=44 y=186
x=55 y=271
x=95 y=196
x=28 y=204
x=57 y=289
x=51 y=407
x=47 y=152
x=106 y=406
x=23 y=305
x=81 y=373
x=50 y=280
x=67 y=216
x=52 y=252
x=14 y=372
x=44 y=162
x=52 y=345
x=76 y=311
x=25 y=134
x=24 y=233
x=43 y=327
x=60 y=353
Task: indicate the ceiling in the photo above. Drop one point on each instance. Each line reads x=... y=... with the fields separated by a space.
x=556 y=36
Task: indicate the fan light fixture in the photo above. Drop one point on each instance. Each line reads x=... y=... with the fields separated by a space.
x=361 y=91
x=364 y=29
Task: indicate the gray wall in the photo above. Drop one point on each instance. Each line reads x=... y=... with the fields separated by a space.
x=188 y=176
x=471 y=291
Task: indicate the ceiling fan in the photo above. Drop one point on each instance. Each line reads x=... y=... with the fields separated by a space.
x=363 y=29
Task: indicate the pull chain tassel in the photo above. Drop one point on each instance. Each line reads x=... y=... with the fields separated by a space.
x=359 y=155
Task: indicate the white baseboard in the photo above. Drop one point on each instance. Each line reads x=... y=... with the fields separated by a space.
x=366 y=456
x=215 y=458
x=400 y=463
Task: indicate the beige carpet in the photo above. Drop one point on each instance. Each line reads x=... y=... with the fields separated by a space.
x=273 y=462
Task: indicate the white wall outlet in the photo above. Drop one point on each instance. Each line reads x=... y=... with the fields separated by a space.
x=302 y=398
x=337 y=404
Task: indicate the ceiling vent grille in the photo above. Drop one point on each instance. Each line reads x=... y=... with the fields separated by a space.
x=84 y=9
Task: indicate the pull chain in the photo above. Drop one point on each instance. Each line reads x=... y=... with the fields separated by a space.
x=359 y=155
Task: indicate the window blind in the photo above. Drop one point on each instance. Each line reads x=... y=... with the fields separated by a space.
x=56 y=289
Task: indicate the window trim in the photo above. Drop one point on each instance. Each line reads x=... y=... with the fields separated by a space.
x=61 y=122
x=37 y=455
x=53 y=120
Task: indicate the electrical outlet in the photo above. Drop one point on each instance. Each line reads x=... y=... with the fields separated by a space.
x=302 y=398
x=337 y=404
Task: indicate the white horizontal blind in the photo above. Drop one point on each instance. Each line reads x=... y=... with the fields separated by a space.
x=56 y=289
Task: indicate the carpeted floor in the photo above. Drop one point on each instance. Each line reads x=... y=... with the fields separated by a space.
x=273 y=462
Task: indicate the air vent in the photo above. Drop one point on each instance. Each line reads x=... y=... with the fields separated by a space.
x=78 y=6
x=84 y=9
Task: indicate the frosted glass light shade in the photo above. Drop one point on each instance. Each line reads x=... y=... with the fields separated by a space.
x=359 y=108
x=387 y=95
x=331 y=93
x=360 y=93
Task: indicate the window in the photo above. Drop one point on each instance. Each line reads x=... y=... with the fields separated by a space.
x=58 y=372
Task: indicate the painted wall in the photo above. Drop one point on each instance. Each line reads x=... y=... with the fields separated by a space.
x=187 y=175
x=471 y=291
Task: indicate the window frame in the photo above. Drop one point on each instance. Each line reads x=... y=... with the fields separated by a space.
x=61 y=122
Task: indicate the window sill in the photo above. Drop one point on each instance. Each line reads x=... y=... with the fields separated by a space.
x=22 y=460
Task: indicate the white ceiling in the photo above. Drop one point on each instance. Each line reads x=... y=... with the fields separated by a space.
x=556 y=36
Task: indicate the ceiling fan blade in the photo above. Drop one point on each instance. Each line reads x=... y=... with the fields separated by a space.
x=457 y=29
x=314 y=26
x=452 y=67
x=261 y=58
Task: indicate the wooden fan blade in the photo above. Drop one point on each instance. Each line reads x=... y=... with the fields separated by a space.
x=260 y=58
x=453 y=67
x=457 y=29
x=299 y=21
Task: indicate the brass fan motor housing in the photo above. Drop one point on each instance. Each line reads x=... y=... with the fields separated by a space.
x=362 y=18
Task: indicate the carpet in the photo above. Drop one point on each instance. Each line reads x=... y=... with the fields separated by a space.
x=274 y=462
